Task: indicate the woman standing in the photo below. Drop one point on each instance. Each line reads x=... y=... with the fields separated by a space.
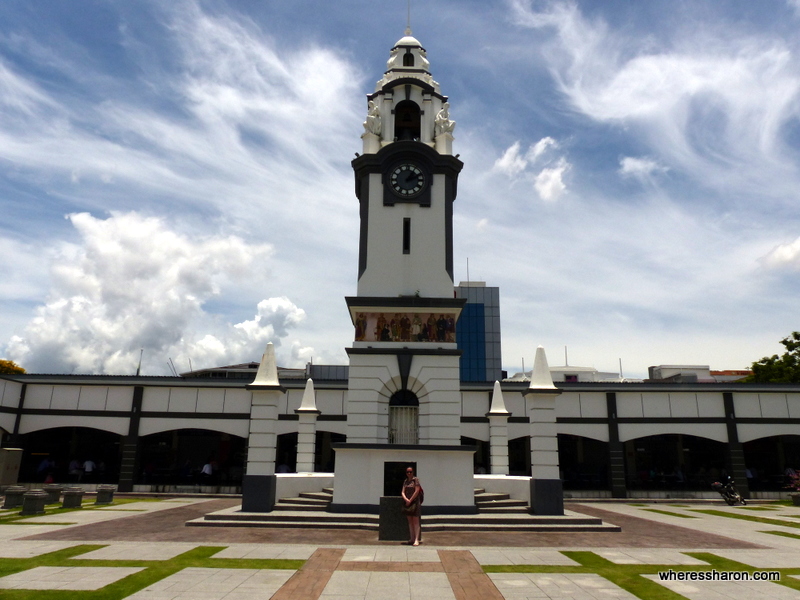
x=412 y=506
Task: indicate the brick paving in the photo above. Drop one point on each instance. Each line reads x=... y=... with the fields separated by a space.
x=168 y=526
x=359 y=567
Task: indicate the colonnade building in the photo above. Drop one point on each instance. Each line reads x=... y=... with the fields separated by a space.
x=423 y=384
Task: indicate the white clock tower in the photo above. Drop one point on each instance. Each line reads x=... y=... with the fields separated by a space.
x=404 y=399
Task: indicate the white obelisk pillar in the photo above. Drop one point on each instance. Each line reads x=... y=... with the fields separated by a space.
x=547 y=494
x=259 y=482
x=498 y=432
x=307 y=429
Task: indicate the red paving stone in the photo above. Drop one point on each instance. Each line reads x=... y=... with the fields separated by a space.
x=169 y=526
x=466 y=576
x=311 y=579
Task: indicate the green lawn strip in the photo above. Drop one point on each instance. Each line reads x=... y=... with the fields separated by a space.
x=744 y=517
x=628 y=577
x=632 y=577
x=153 y=572
x=14 y=517
x=725 y=564
x=638 y=504
x=758 y=508
x=783 y=533
x=679 y=505
x=669 y=513
x=9 y=566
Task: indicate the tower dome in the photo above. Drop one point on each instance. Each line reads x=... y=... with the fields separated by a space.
x=407 y=104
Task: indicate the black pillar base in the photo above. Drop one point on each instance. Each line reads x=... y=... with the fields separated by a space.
x=258 y=493
x=392 y=523
x=547 y=497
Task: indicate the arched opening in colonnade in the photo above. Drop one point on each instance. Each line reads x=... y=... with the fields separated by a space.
x=177 y=457
x=583 y=462
x=674 y=461
x=769 y=461
x=60 y=454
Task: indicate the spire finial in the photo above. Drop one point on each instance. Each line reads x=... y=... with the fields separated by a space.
x=408 y=20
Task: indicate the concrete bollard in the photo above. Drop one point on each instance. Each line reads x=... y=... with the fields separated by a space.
x=14 y=496
x=33 y=502
x=53 y=491
x=105 y=494
x=73 y=497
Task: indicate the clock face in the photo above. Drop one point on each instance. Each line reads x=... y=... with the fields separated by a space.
x=407 y=180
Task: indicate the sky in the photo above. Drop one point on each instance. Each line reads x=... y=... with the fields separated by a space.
x=175 y=177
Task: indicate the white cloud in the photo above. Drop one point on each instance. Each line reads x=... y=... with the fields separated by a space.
x=511 y=163
x=133 y=283
x=641 y=168
x=714 y=103
x=784 y=256
x=540 y=147
x=549 y=183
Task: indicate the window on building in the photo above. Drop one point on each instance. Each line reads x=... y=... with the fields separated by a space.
x=406 y=236
x=408 y=59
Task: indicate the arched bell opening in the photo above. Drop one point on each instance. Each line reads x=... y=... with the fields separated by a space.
x=407 y=121
x=408 y=59
x=404 y=418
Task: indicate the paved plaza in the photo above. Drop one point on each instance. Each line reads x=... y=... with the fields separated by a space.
x=141 y=549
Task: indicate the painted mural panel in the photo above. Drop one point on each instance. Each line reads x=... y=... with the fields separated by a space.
x=405 y=327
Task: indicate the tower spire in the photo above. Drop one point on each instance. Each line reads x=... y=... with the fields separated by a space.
x=408 y=19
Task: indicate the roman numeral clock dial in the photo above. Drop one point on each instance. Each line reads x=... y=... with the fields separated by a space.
x=407 y=180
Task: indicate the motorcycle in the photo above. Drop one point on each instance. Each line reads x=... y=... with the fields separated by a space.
x=728 y=492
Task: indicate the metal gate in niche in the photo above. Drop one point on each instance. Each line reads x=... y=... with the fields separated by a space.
x=403 y=418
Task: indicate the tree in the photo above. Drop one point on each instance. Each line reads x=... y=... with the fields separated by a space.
x=9 y=367
x=780 y=369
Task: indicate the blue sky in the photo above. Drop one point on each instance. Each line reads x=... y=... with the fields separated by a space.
x=175 y=176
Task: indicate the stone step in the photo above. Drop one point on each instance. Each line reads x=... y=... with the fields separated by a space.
x=479 y=491
x=306 y=524
x=490 y=496
x=505 y=503
x=328 y=491
x=317 y=516
x=284 y=506
x=492 y=510
x=320 y=519
x=443 y=523
x=306 y=501
x=325 y=497
x=513 y=519
x=534 y=527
